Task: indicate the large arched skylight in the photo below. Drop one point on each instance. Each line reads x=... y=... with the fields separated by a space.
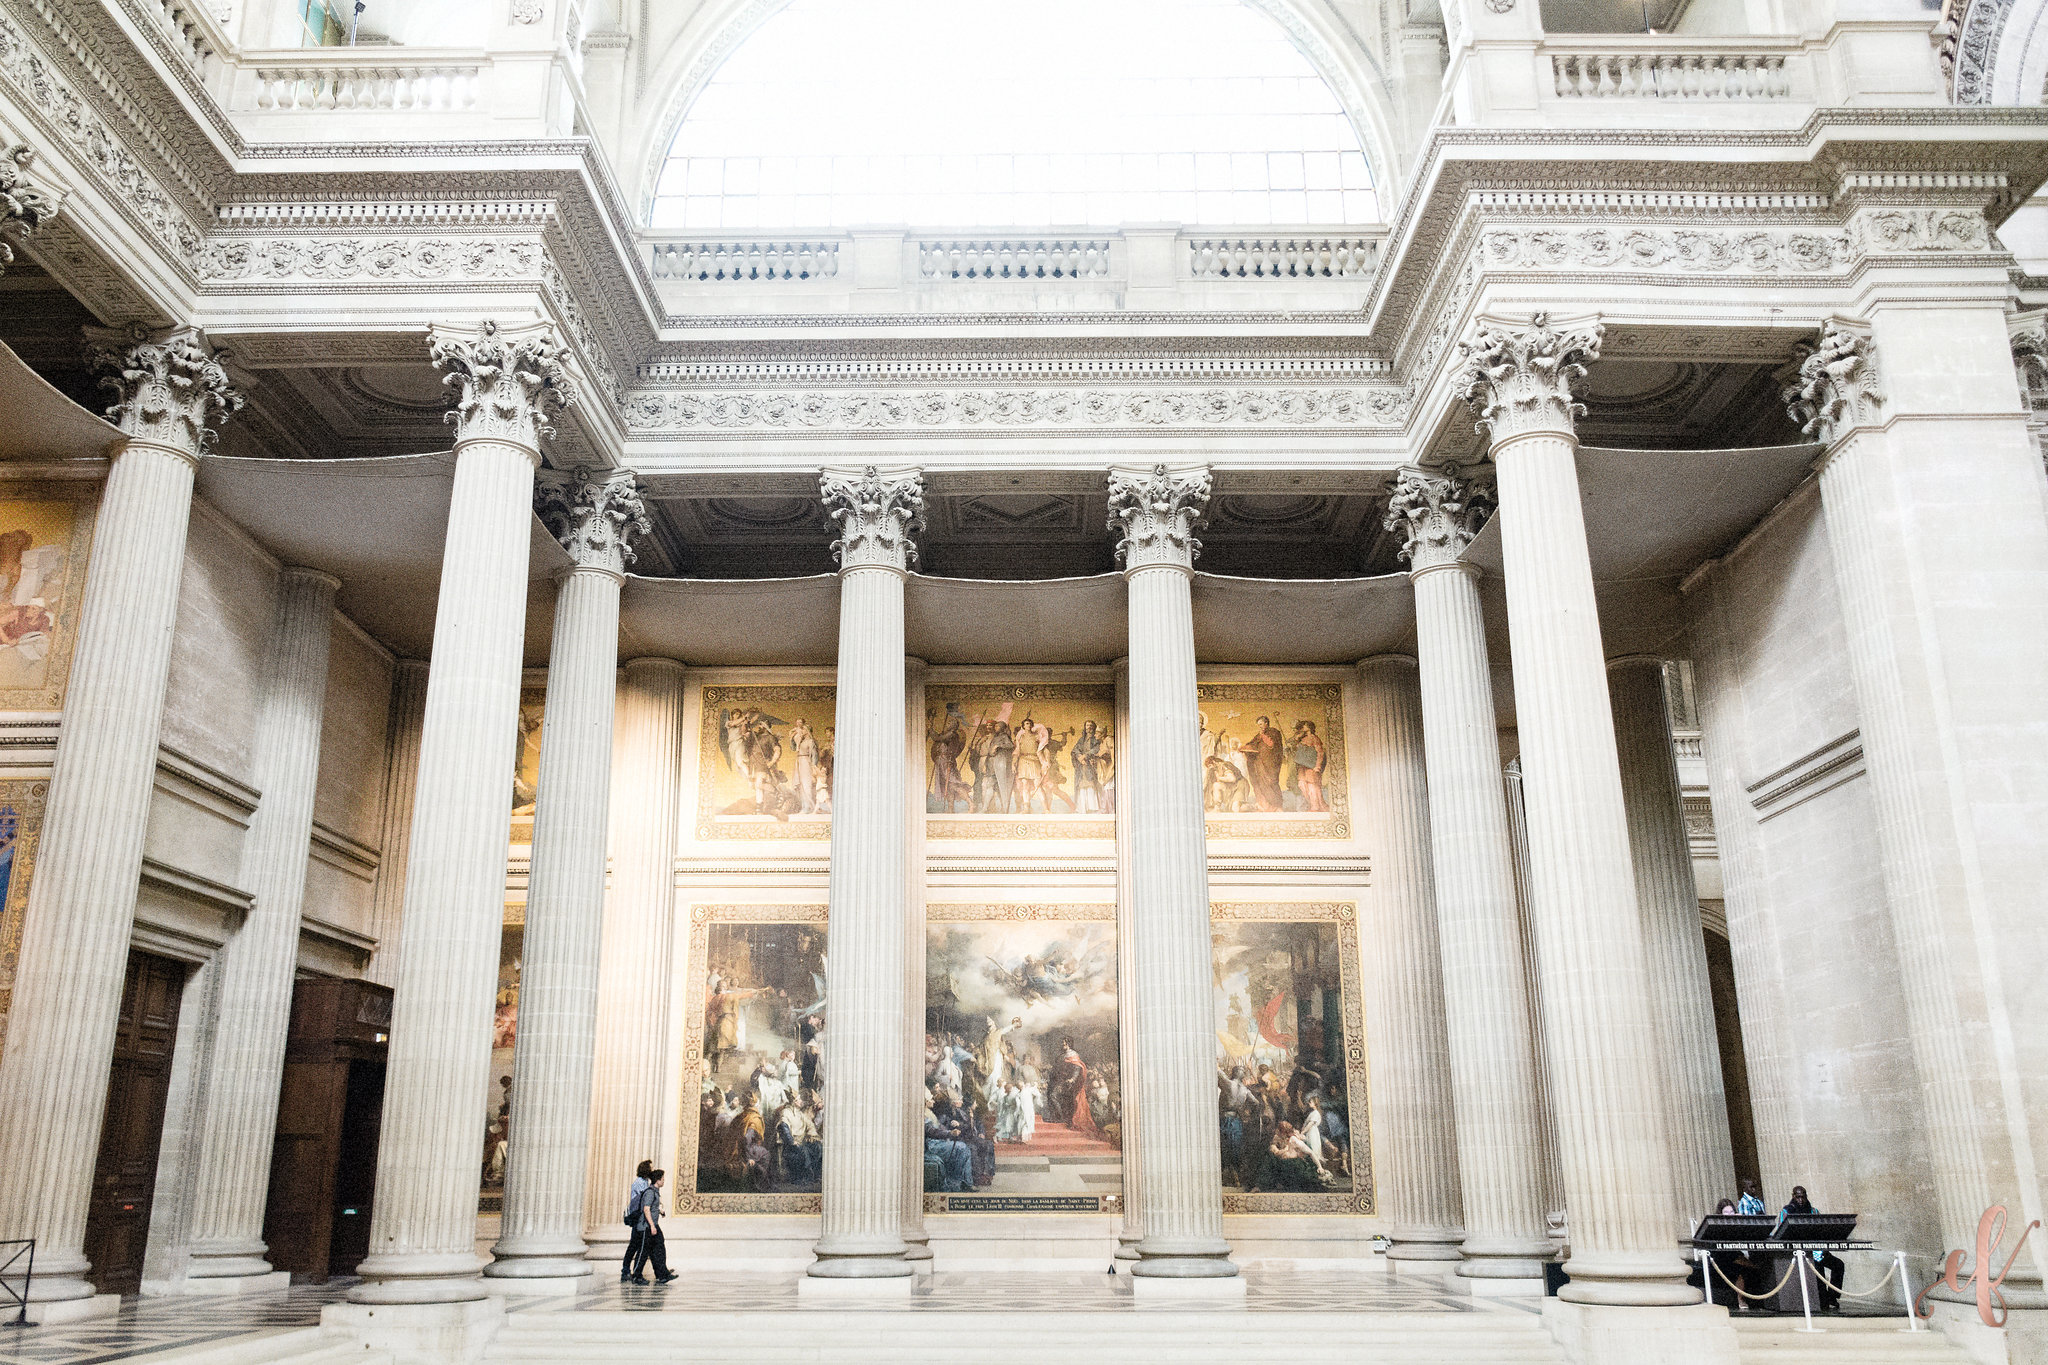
x=1014 y=113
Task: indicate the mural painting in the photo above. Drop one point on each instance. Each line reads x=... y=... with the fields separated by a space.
x=765 y=763
x=1273 y=760
x=754 y=1041
x=1020 y=761
x=526 y=764
x=504 y=1034
x=21 y=818
x=43 y=544
x=1290 y=1059
x=1023 y=1113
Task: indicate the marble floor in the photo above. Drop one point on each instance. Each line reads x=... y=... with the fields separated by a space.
x=154 y=1327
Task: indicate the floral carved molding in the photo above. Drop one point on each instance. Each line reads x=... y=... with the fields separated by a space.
x=1873 y=231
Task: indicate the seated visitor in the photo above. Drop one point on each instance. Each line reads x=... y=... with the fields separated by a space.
x=1830 y=1285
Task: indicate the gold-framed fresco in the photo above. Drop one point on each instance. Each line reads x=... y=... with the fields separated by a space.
x=1273 y=760
x=497 y=1115
x=45 y=542
x=21 y=823
x=753 y=1061
x=526 y=766
x=1293 y=1104
x=1024 y=1108
x=764 y=762
x=1020 y=760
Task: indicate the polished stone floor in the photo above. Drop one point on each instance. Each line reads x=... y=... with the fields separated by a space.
x=154 y=1327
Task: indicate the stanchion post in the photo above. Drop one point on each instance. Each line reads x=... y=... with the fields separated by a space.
x=1906 y=1290
x=1706 y=1275
x=1805 y=1292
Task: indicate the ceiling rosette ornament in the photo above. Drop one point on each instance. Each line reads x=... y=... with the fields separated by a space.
x=1437 y=512
x=1837 y=387
x=1519 y=379
x=509 y=383
x=1158 y=513
x=23 y=207
x=169 y=386
x=595 y=514
x=875 y=513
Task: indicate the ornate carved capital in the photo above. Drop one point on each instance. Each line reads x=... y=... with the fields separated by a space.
x=168 y=384
x=23 y=207
x=1519 y=379
x=1438 y=511
x=509 y=382
x=1837 y=387
x=876 y=513
x=594 y=514
x=2028 y=333
x=1158 y=514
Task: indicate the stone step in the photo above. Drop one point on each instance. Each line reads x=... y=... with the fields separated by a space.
x=1866 y=1341
x=299 y=1346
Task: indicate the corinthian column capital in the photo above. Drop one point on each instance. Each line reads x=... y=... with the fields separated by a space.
x=23 y=207
x=1519 y=379
x=595 y=514
x=1438 y=512
x=1838 y=386
x=509 y=382
x=1158 y=513
x=168 y=384
x=875 y=513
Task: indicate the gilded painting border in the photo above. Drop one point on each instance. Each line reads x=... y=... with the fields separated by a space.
x=713 y=696
x=1336 y=783
x=686 y=1199
x=1042 y=827
x=982 y=912
x=533 y=698
x=1363 y=1197
x=77 y=556
x=27 y=797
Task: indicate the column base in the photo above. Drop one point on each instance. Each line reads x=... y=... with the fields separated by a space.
x=2022 y=1341
x=555 y=1263
x=44 y=1311
x=1494 y=1286
x=1629 y=1279
x=1166 y=1292
x=419 y=1279
x=420 y=1333
x=541 y=1286
x=275 y=1281
x=1694 y=1335
x=871 y=1287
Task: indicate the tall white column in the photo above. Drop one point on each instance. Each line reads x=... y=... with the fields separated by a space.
x=1590 y=941
x=1675 y=951
x=23 y=207
x=914 y=758
x=540 y=1243
x=1132 y=1230
x=861 y=1232
x=408 y=714
x=1173 y=1044
x=1494 y=1081
x=1554 y=1212
x=1416 y=1167
x=632 y=1067
x=239 y=1117
x=81 y=906
x=508 y=382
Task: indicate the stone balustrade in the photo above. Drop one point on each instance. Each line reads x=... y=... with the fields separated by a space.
x=1014 y=259
x=406 y=79
x=193 y=32
x=1668 y=74
x=1278 y=258
x=744 y=262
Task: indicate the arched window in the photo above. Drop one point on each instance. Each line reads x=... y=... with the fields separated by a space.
x=1014 y=113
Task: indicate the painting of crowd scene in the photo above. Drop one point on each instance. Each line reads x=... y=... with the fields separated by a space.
x=1290 y=1060
x=1020 y=760
x=38 y=541
x=756 y=1035
x=1020 y=1070
x=765 y=766
x=1273 y=759
x=504 y=1035
x=21 y=814
x=526 y=762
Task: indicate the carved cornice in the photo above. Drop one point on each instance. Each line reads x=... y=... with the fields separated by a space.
x=1158 y=513
x=595 y=514
x=509 y=383
x=169 y=387
x=875 y=513
x=1519 y=379
x=23 y=207
x=1437 y=512
x=1837 y=387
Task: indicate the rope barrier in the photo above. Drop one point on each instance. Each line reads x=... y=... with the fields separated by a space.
x=1770 y=1293
x=1870 y=1293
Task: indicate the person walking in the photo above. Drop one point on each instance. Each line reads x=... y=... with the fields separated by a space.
x=633 y=1193
x=653 y=1246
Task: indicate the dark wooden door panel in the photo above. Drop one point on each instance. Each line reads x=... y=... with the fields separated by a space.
x=124 y=1177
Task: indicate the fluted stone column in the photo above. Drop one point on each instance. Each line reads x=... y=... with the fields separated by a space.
x=1554 y=1213
x=401 y=774
x=914 y=758
x=239 y=1117
x=81 y=907
x=1689 y=1049
x=1590 y=940
x=633 y=1064
x=861 y=1231
x=23 y=206
x=1172 y=1046
x=1132 y=1230
x=540 y=1245
x=507 y=382
x=1494 y=1082
x=1416 y=1167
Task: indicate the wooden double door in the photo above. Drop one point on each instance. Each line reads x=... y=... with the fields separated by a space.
x=124 y=1177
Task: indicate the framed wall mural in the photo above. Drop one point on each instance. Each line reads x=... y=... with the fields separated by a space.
x=21 y=819
x=753 y=1060
x=526 y=766
x=765 y=763
x=1273 y=760
x=497 y=1118
x=1023 y=1112
x=1292 y=1098
x=44 y=543
x=1020 y=761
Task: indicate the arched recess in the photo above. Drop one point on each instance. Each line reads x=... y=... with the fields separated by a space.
x=2001 y=51
x=687 y=65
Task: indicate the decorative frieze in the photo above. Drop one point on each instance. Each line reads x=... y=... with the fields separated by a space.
x=595 y=514
x=875 y=513
x=168 y=385
x=1520 y=378
x=23 y=207
x=655 y=411
x=1438 y=512
x=509 y=382
x=1678 y=250
x=1838 y=386
x=1158 y=514
x=232 y=259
